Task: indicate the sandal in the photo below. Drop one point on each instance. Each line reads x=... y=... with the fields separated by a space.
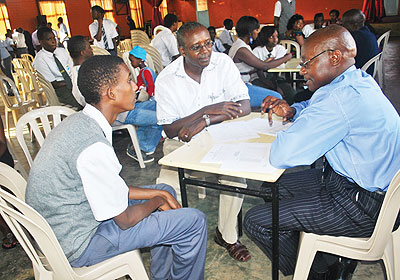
x=9 y=241
x=237 y=250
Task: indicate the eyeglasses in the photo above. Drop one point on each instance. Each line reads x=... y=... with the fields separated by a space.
x=197 y=48
x=305 y=64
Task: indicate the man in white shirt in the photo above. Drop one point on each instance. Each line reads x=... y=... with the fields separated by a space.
x=217 y=46
x=225 y=36
x=165 y=41
x=312 y=27
x=20 y=44
x=284 y=10
x=199 y=89
x=104 y=32
x=93 y=213
x=62 y=32
x=55 y=65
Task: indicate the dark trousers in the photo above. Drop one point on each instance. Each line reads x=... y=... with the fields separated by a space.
x=332 y=206
x=65 y=96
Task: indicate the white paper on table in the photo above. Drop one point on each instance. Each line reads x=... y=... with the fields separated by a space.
x=231 y=131
x=243 y=157
x=261 y=125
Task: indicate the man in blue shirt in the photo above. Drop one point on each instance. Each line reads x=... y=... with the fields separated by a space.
x=350 y=122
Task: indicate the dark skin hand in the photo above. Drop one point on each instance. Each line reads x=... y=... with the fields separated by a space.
x=278 y=107
x=189 y=126
x=156 y=200
x=244 y=55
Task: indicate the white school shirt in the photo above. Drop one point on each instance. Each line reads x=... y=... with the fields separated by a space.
x=19 y=39
x=278 y=8
x=9 y=42
x=218 y=46
x=226 y=37
x=35 y=40
x=166 y=44
x=99 y=168
x=277 y=52
x=109 y=29
x=44 y=62
x=75 y=90
x=178 y=95
x=63 y=32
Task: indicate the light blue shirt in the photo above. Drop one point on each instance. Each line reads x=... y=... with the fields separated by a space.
x=353 y=124
x=3 y=51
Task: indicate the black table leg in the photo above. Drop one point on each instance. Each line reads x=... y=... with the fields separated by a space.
x=240 y=219
x=182 y=184
x=275 y=228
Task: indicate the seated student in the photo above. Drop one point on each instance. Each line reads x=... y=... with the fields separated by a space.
x=55 y=65
x=367 y=46
x=226 y=36
x=199 y=89
x=360 y=143
x=333 y=17
x=144 y=115
x=247 y=63
x=268 y=49
x=294 y=29
x=217 y=46
x=312 y=27
x=75 y=185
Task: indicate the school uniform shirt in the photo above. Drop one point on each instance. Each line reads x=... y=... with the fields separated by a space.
x=109 y=29
x=277 y=52
x=44 y=62
x=166 y=44
x=218 y=46
x=226 y=37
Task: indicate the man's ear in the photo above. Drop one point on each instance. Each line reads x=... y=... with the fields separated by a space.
x=182 y=51
x=336 y=57
x=110 y=93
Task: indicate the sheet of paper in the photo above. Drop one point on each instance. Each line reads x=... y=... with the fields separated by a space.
x=243 y=157
x=231 y=131
x=261 y=125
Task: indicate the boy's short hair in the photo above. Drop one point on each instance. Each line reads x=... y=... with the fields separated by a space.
x=42 y=31
x=169 y=20
x=335 y=12
x=98 y=9
x=76 y=44
x=228 y=22
x=93 y=76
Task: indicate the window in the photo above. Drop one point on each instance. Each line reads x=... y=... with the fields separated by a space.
x=202 y=5
x=4 y=21
x=163 y=9
x=136 y=12
x=107 y=5
x=53 y=10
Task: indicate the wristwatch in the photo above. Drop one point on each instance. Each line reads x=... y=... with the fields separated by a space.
x=207 y=119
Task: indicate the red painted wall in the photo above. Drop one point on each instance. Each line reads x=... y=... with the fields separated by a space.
x=263 y=10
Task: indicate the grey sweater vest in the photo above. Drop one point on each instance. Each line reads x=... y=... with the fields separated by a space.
x=55 y=188
x=287 y=12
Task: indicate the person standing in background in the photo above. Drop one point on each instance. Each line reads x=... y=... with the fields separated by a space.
x=19 y=40
x=104 y=32
x=62 y=32
x=9 y=43
x=284 y=10
x=226 y=36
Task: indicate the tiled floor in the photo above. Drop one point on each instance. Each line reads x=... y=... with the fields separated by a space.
x=14 y=264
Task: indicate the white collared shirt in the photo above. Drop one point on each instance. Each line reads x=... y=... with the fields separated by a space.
x=166 y=44
x=44 y=62
x=75 y=90
x=178 y=95
x=63 y=32
x=277 y=52
x=226 y=37
x=109 y=29
x=278 y=8
x=99 y=168
x=19 y=40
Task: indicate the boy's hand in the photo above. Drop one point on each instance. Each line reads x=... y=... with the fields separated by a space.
x=171 y=201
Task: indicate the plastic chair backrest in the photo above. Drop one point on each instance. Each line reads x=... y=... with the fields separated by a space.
x=288 y=44
x=156 y=57
x=22 y=63
x=139 y=36
x=134 y=72
x=48 y=89
x=12 y=180
x=158 y=29
x=42 y=114
x=383 y=40
x=374 y=62
x=27 y=80
x=27 y=56
x=99 y=51
x=27 y=218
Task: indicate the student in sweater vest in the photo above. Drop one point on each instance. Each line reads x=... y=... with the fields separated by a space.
x=75 y=185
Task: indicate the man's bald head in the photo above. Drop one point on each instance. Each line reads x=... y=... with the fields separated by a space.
x=334 y=37
x=353 y=19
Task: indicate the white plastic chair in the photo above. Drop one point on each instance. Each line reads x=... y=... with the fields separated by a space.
x=50 y=262
x=381 y=244
x=383 y=39
x=374 y=62
x=49 y=117
x=139 y=37
x=132 y=133
x=99 y=51
x=288 y=44
x=12 y=180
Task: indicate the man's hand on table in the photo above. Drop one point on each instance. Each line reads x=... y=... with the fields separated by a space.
x=278 y=107
x=189 y=130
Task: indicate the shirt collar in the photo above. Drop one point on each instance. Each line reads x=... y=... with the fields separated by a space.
x=50 y=54
x=95 y=114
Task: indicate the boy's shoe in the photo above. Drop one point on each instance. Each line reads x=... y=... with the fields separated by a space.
x=146 y=158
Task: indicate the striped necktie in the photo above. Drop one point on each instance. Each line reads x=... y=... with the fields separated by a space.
x=103 y=34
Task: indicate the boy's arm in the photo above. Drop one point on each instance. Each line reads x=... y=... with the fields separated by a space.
x=156 y=199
